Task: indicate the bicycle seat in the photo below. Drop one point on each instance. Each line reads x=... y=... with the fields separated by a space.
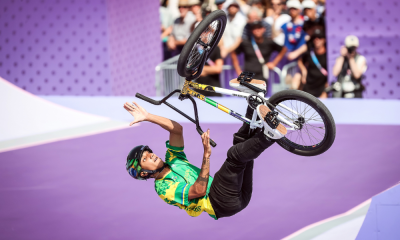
x=261 y=84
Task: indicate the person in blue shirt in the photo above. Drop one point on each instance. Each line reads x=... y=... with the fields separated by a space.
x=295 y=41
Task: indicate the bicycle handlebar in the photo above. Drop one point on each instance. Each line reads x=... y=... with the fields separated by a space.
x=212 y=143
x=154 y=102
x=147 y=99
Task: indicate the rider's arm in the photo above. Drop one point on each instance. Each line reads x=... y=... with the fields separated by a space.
x=140 y=114
x=174 y=128
x=199 y=188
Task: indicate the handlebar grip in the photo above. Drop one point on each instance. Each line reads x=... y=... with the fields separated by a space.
x=147 y=99
x=212 y=143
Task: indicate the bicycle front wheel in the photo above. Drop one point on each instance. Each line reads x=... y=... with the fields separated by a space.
x=315 y=129
x=201 y=43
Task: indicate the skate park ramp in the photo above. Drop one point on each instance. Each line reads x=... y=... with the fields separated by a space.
x=73 y=184
x=28 y=120
x=383 y=217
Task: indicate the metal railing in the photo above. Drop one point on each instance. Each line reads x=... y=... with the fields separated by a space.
x=168 y=79
x=288 y=69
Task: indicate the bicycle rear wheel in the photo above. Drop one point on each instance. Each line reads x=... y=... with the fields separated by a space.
x=316 y=129
x=201 y=43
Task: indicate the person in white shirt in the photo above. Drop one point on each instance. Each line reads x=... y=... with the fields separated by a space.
x=181 y=28
x=349 y=68
x=233 y=30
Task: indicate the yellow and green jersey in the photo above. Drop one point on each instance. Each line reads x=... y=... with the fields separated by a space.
x=173 y=188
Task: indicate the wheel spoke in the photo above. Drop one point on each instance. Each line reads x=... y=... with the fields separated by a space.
x=198 y=50
x=309 y=134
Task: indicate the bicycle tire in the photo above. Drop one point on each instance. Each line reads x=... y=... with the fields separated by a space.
x=320 y=108
x=183 y=69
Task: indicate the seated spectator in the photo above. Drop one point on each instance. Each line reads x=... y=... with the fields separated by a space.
x=294 y=39
x=257 y=51
x=233 y=30
x=181 y=28
x=313 y=66
x=312 y=21
x=211 y=71
x=276 y=20
x=349 y=69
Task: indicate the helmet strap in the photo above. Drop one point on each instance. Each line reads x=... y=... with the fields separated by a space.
x=150 y=172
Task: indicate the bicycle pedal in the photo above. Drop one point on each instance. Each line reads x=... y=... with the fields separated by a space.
x=246 y=76
x=272 y=120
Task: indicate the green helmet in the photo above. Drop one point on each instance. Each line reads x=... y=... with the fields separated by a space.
x=133 y=163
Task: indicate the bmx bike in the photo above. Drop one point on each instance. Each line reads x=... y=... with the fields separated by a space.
x=310 y=125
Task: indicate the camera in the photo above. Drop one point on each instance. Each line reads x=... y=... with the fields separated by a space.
x=351 y=50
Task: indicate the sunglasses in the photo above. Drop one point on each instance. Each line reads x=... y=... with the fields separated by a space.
x=277 y=4
x=183 y=7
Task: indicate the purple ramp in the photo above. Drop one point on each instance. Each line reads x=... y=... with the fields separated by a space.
x=383 y=217
x=79 y=189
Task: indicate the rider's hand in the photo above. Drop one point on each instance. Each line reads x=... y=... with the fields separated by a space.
x=139 y=113
x=206 y=142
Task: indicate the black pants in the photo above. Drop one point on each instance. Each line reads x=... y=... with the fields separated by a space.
x=232 y=186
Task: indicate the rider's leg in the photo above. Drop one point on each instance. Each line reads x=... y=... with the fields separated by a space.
x=226 y=193
x=247 y=185
x=243 y=132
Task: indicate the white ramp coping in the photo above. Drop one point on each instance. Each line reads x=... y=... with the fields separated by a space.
x=344 y=226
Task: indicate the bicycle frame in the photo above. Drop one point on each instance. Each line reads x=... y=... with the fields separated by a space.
x=187 y=89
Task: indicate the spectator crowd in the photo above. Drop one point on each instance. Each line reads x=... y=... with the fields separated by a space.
x=269 y=34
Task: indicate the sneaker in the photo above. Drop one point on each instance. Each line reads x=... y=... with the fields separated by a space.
x=277 y=133
x=258 y=83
